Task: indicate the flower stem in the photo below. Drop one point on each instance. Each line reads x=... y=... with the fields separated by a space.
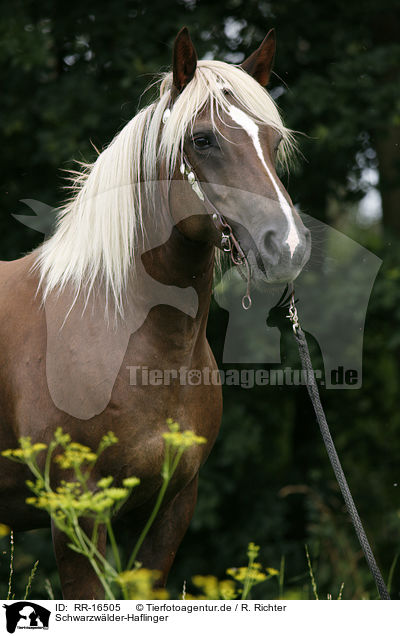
x=149 y=523
x=114 y=545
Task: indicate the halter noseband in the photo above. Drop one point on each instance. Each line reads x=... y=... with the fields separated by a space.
x=229 y=243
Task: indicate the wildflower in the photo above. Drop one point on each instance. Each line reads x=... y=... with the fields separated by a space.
x=16 y=454
x=272 y=572
x=214 y=589
x=209 y=585
x=116 y=494
x=131 y=482
x=4 y=530
x=60 y=437
x=107 y=440
x=26 y=452
x=75 y=455
x=227 y=590
x=105 y=482
x=252 y=551
x=173 y=426
x=252 y=573
x=181 y=440
x=140 y=583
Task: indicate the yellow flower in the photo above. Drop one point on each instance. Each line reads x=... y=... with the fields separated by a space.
x=131 y=482
x=108 y=440
x=252 y=551
x=26 y=450
x=140 y=583
x=183 y=440
x=75 y=455
x=251 y=573
x=227 y=590
x=4 y=530
x=208 y=584
x=16 y=453
x=38 y=447
x=61 y=438
x=272 y=571
x=105 y=482
x=213 y=589
x=116 y=494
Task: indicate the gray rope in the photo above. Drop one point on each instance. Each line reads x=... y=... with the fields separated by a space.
x=313 y=392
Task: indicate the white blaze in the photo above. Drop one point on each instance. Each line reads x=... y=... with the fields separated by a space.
x=238 y=116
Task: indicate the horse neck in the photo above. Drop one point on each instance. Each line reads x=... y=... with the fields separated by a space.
x=177 y=284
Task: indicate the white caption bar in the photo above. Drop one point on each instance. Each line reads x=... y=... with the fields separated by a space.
x=194 y=617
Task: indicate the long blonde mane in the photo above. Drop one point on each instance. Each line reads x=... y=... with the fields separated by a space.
x=98 y=229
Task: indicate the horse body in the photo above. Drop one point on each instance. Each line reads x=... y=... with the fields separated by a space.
x=167 y=340
x=64 y=363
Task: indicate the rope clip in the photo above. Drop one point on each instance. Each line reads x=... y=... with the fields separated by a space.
x=292 y=315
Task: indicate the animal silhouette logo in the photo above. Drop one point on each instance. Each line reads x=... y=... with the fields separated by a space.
x=26 y=615
x=333 y=292
x=332 y=295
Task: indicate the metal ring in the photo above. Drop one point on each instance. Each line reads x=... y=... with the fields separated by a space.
x=246 y=302
x=226 y=243
x=236 y=259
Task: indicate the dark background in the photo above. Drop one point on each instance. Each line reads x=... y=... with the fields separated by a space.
x=73 y=73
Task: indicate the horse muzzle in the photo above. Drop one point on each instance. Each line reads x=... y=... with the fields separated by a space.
x=276 y=261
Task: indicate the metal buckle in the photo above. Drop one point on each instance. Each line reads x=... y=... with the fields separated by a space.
x=226 y=243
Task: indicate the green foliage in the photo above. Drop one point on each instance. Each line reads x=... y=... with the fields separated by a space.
x=71 y=501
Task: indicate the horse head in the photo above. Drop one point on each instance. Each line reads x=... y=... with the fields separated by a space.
x=222 y=122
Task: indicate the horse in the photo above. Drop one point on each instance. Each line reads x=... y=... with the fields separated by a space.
x=124 y=284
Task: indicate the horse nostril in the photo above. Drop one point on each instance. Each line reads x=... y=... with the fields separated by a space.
x=271 y=247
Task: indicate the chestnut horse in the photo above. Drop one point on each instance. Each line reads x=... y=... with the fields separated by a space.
x=124 y=284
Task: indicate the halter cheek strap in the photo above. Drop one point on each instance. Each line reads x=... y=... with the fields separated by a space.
x=229 y=243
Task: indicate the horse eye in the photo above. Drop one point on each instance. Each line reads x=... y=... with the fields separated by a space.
x=201 y=142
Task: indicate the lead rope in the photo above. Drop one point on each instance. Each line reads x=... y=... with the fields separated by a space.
x=230 y=244
x=313 y=392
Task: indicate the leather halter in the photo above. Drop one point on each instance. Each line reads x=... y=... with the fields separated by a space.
x=229 y=243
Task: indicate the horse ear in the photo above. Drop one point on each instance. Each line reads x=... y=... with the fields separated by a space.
x=259 y=64
x=184 y=60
